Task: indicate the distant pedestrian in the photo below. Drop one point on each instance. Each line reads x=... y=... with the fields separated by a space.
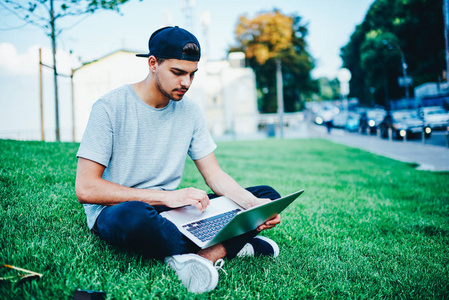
x=327 y=120
x=328 y=126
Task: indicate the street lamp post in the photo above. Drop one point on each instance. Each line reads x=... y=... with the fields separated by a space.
x=403 y=64
x=404 y=73
x=280 y=96
x=446 y=35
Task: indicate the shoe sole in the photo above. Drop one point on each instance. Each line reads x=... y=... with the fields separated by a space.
x=196 y=275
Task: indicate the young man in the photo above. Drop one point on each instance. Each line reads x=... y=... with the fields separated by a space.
x=131 y=160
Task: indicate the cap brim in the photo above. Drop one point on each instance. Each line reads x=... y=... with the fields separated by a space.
x=143 y=55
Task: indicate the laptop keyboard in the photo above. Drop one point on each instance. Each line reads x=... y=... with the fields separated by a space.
x=206 y=229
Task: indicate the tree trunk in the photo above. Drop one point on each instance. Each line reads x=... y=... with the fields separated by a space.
x=55 y=73
x=280 y=96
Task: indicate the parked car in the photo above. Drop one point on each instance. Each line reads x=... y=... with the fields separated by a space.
x=340 y=120
x=347 y=120
x=370 y=120
x=353 y=121
x=403 y=123
x=325 y=114
x=435 y=117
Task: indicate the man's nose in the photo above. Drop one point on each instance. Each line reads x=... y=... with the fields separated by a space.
x=186 y=81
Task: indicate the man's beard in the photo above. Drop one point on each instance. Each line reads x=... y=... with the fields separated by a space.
x=161 y=89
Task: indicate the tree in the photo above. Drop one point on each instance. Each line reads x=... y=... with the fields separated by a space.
x=328 y=89
x=46 y=14
x=264 y=39
x=394 y=31
x=383 y=64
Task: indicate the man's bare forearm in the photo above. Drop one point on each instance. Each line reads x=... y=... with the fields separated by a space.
x=223 y=184
x=91 y=188
x=103 y=192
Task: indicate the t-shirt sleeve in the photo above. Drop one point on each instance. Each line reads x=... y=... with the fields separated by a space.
x=96 y=144
x=202 y=143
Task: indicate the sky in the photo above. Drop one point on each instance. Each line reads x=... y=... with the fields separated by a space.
x=330 y=24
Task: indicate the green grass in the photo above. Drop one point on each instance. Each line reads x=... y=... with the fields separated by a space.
x=367 y=227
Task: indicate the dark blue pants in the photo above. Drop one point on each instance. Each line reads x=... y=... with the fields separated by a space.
x=137 y=226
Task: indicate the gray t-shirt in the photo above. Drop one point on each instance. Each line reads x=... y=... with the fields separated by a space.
x=141 y=146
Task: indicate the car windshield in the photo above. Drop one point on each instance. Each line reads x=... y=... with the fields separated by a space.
x=436 y=112
x=375 y=114
x=405 y=115
x=353 y=117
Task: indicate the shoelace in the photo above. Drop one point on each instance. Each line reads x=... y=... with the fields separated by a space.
x=219 y=265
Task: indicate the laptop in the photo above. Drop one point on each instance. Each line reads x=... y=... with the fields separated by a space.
x=224 y=219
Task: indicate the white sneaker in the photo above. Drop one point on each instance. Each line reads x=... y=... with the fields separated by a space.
x=260 y=246
x=197 y=273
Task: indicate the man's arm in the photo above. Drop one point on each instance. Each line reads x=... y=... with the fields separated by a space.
x=223 y=184
x=91 y=188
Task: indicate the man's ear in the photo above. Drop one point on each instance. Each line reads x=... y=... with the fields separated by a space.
x=152 y=63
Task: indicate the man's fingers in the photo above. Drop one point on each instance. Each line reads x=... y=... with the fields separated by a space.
x=270 y=223
x=201 y=205
x=274 y=221
x=204 y=201
x=198 y=205
x=200 y=200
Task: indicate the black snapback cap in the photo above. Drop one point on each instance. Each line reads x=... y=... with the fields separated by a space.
x=168 y=42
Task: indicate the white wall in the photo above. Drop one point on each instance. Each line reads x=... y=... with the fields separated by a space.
x=226 y=95
x=97 y=78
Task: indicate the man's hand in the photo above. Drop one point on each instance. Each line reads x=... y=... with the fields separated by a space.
x=91 y=188
x=188 y=196
x=271 y=222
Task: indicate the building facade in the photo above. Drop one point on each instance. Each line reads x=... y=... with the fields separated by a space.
x=225 y=90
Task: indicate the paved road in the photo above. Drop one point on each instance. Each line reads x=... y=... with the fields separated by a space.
x=438 y=138
x=428 y=157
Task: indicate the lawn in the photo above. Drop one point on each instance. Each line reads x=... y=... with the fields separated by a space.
x=367 y=227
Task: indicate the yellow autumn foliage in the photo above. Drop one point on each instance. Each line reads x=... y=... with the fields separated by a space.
x=265 y=35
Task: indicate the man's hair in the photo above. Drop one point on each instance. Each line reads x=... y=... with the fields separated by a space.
x=188 y=49
x=191 y=49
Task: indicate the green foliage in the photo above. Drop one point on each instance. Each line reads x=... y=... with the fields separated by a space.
x=328 y=89
x=45 y=13
x=273 y=35
x=378 y=48
x=413 y=27
x=367 y=227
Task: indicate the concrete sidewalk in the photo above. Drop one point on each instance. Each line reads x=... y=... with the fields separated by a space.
x=428 y=157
